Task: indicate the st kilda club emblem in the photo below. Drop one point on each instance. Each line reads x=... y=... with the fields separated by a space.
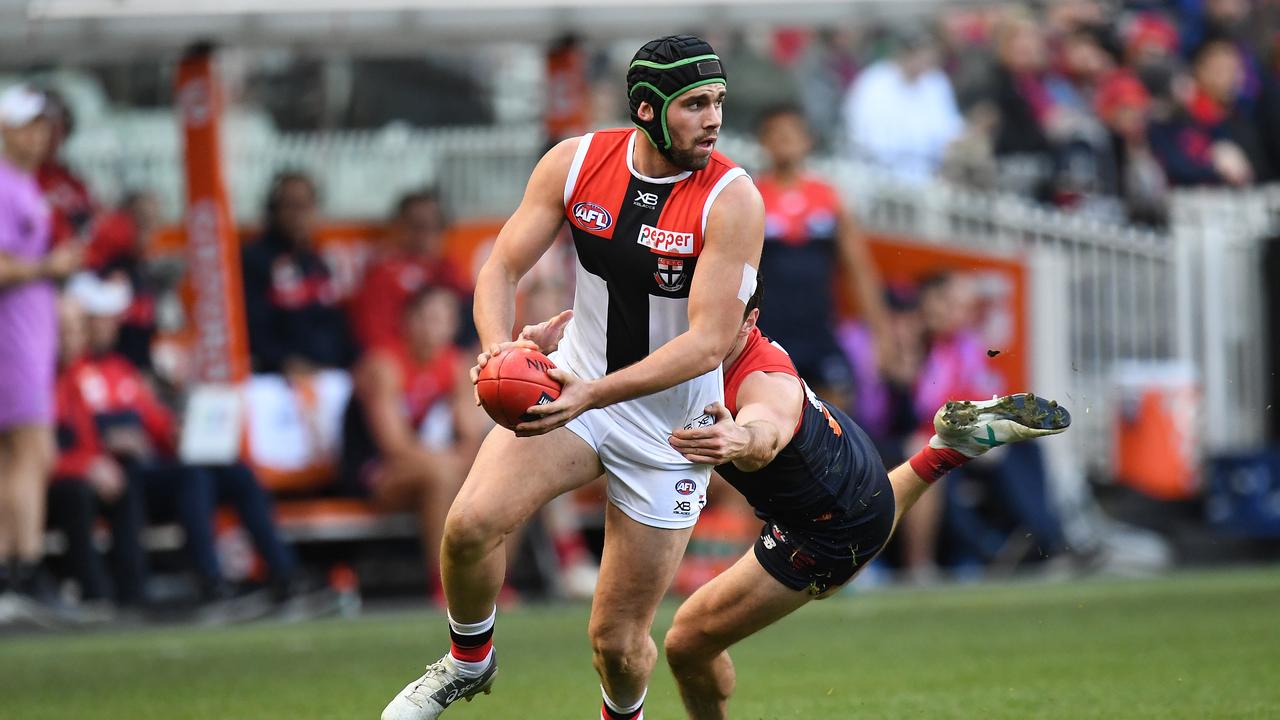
x=670 y=275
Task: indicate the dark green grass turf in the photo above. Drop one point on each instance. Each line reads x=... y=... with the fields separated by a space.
x=1189 y=646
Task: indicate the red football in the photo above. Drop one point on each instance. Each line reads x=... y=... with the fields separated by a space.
x=513 y=381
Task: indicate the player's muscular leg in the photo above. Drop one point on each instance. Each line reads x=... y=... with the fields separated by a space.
x=907 y=489
x=637 y=567
x=510 y=480
x=740 y=601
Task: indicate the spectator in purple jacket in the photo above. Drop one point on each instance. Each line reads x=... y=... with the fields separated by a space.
x=28 y=331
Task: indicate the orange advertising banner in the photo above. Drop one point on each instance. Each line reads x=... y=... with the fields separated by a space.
x=221 y=350
x=1002 y=295
x=568 y=95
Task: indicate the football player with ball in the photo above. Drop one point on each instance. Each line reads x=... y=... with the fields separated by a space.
x=668 y=234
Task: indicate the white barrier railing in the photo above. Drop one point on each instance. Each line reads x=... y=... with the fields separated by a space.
x=1220 y=236
x=1097 y=292
x=1100 y=293
x=361 y=174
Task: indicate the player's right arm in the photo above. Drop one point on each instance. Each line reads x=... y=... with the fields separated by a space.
x=769 y=408
x=524 y=238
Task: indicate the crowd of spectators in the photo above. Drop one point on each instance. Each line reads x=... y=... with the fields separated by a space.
x=1096 y=106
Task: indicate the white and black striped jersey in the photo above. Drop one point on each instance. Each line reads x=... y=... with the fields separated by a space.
x=638 y=240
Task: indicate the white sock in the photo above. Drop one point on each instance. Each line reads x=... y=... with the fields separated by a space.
x=473 y=628
x=620 y=709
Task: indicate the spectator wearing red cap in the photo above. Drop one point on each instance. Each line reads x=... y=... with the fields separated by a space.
x=1149 y=39
x=1134 y=175
x=415 y=260
x=28 y=327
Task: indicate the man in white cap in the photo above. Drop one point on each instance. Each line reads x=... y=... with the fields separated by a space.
x=28 y=332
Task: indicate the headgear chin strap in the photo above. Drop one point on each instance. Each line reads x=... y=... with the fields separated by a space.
x=663 y=70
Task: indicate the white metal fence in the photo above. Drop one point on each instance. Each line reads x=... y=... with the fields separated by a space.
x=1100 y=293
x=1220 y=237
x=360 y=173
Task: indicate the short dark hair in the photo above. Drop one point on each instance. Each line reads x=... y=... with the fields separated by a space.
x=278 y=183
x=934 y=281
x=425 y=293
x=421 y=195
x=753 y=302
x=1212 y=44
x=778 y=110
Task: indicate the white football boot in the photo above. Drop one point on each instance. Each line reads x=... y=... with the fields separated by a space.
x=438 y=688
x=972 y=427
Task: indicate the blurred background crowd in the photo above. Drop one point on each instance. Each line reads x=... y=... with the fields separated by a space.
x=357 y=425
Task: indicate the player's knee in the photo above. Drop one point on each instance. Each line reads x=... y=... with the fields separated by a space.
x=622 y=652
x=687 y=646
x=469 y=534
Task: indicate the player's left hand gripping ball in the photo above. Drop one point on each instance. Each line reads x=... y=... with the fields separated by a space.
x=576 y=397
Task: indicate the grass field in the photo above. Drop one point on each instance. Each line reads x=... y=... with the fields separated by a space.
x=1189 y=646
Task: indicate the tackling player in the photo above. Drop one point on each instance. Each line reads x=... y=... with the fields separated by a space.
x=828 y=504
x=815 y=478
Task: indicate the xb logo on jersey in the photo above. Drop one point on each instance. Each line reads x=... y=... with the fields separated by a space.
x=591 y=217
x=646 y=200
x=670 y=275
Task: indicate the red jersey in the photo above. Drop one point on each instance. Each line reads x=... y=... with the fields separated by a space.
x=117 y=394
x=758 y=355
x=77 y=435
x=378 y=307
x=423 y=384
x=800 y=213
x=73 y=206
x=801 y=232
x=114 y=238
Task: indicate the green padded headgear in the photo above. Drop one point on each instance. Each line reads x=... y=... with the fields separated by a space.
x=663 y=70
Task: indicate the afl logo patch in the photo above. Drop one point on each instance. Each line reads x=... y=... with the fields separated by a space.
x=591 y=217
x=686 y=487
